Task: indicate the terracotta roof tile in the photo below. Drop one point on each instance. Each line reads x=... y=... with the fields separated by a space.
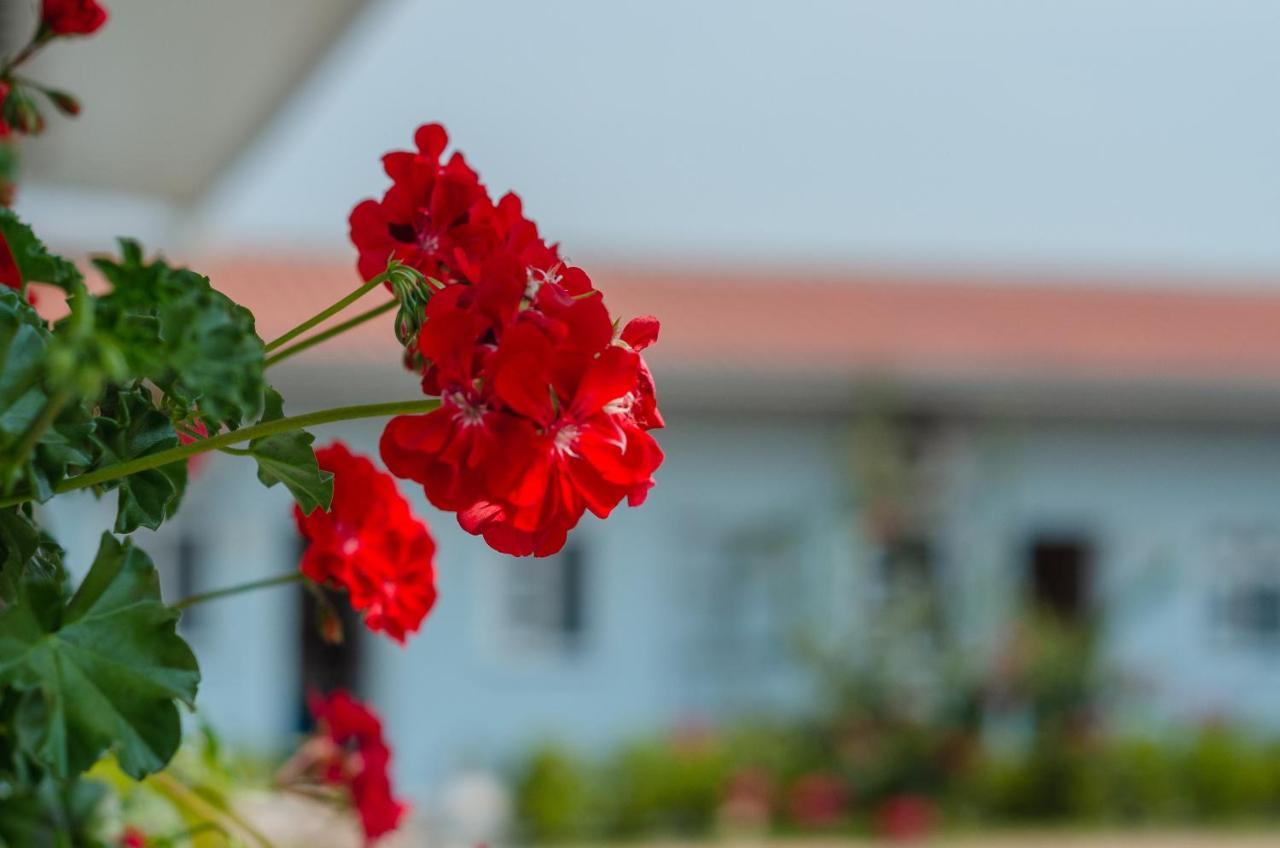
x=853 y=324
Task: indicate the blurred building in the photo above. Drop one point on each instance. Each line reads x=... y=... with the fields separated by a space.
x=1095 y=421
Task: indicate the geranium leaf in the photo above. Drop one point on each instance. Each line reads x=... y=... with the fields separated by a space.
x=52 y=814
x=34 y=261
x=101 y=672
x=130 y=427
x=195 y=343
x=63 y=446
x=26 y=553
x=288 y=458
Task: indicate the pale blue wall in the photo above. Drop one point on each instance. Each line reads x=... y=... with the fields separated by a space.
x=1151 y=496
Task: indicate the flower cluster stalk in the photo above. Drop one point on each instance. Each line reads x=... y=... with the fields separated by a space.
x=233 y=437
x=325 y=335
x=324 y=314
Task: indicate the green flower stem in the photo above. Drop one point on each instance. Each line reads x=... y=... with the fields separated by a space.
x=325 y=314
x=41 y=39
x=38 y=425
x=233 y=437
x=192 y=802
x=335 y=330
x=266 y=582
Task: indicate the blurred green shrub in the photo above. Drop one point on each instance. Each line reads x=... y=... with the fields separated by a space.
x=553 y=802
x=753 y=774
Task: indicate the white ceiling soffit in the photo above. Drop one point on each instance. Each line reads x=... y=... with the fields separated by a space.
x=173 y=90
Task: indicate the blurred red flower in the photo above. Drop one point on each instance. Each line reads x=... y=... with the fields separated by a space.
x=10 y=275
x=133 y=838
x=199 y=430
x=906 y=817
x=349 y=751
x=817 y=800
x=370 y=544
x=73 y=17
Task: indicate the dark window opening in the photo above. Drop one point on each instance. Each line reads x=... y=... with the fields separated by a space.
x=544 y=601
x=572 y=588
x=908 y=559
x=1060 y=571
x=188 y=560
x=325 y=666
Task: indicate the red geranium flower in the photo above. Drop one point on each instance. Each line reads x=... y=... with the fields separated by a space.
x=370 y=544
x=133 y=838
x=73 y=17
x=432 y=218
x=545 y=409
x=349 y=751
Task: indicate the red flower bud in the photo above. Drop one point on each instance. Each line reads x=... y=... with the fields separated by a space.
x=72 y=17
x=65 y=103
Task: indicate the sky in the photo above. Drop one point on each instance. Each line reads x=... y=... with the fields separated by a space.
x=1085 y=135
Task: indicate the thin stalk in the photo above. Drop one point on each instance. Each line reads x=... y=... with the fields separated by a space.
x=213 y=594
x=191 y=800
x=27 y=52
x=335 y=330
x=233 y=437
x=325 y=314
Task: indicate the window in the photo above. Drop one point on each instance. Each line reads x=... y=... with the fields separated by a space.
x=1060 y=572
x=1245 y=605
x=542 y=602
x=188 y=561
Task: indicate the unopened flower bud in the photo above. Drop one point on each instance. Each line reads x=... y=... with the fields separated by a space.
x=64 y=102
x=330 y=625
x=21 y=111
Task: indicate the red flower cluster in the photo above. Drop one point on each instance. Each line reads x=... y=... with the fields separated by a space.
x=353 y=755
x=72 y=17
x=369 y=544
x=904 y=818
x=545 y=406
x=133 y=838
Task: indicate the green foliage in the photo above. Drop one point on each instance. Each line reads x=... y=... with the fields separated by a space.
x=193 y=342
x=666 y=788
x=52 y=815
x=647 y=787
x=1225 y=779
x=24 y=398
x=35 y=262
x=130 y=427
x=26 y=553
x=553 y=796
x=100 y=672
x=288 y=458
x=94 y=676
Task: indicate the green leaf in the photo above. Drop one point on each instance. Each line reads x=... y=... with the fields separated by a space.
x=195 y=343
x=52 y=815
x=26 y=553
x=35 y=262
x=288 y=458
x=64 y=446
x=23 y=341
x=128 y=427
x=101 y=672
